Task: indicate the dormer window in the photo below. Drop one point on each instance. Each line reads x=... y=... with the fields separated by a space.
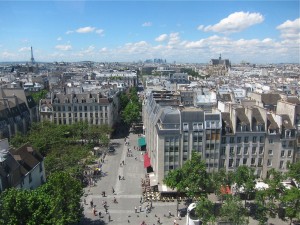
x=185 y=126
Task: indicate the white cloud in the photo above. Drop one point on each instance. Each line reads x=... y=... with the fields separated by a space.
x=161 y=37
x=69 y=32
x=63 y=47
x=290 y=29
x=147 y=24
x=174 y=39
x=59 y=39
x=100 y=31
x=235 y=22
x=24 y=49
x=85 y=29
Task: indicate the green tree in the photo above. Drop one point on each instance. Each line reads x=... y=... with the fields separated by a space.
x=124 y=100
x=291 y=202
x=65 y=193
x=205 y=210
x=56 y=202
x=233 y=211
x=244 y=178
x=37 y=96
x=261 y=212
x=131 y=113
x=191 y=178
x=294 y=171
x=18 y=140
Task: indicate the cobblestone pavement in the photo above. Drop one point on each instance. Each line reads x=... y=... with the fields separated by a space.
x=128 y=192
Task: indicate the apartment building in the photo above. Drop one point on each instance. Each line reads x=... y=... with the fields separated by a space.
x=20 y=168
x=17 y=111
x=98 y=107
x=228 y=137
x=174 y=131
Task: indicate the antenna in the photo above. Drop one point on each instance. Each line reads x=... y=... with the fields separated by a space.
x=32 y=59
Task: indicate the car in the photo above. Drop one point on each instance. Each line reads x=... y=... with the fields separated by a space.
x=111 y=149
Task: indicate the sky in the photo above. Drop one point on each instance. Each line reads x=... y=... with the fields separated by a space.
x=260 y=31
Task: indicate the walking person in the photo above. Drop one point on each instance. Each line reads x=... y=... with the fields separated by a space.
x=91 y=203
x=113 y=190
x=140 y=208
x=135 y=209
x=109 y=218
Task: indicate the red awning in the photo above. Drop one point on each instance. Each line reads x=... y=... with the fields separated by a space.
x=225 y=190
x=146 y=160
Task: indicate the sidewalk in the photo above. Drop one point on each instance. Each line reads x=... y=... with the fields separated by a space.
x=128 y=192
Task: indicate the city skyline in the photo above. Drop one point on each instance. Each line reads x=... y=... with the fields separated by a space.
x=126 y=31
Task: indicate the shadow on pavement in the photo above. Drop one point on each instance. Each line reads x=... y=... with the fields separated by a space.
x=88 y=221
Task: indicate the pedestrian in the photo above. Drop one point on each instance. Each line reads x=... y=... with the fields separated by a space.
x=100 y=214
x=119 y=177
x=109 y=218
x=135 y=209
x=123 y=162
x=158 y=220
x=94 y=211
x=151 y=205
x=140 y=208
x=113 y=190
x=141 y=200
x=170 y=213
x=175 y=222
x=92 y=203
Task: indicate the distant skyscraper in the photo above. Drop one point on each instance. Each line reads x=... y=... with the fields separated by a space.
x=32 y=59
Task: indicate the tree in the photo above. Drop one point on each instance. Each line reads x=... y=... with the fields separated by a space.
x=191 y=178
x=291 y=203
x=131 y=113
x=294 y=171
x=244 y=178
x=205 y=210
x=233 y=211
x=261 y=211
x=65 y=193
x=56 y=202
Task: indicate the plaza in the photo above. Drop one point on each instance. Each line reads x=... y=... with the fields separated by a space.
x=128 y=192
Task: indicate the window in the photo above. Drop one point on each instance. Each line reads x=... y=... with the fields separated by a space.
x=281 y=164
x=238 y=150
x=246 y=151
x=30 y=178
x=282 y=154
x=246 y=139
x=231 y=151
x=252 y=161
x=269 y=163
x=270 y=141
x=261 y=150
x=289 y=153
x=253 y=150
x=222 y=163
x=244 y=161
x=260 y=160
x=254 y=139
x=230 y=163
x=239 y=139
x=223 y=141
x=223 y=150
x=185 y=126
x=270 y=152
x=237 y=162
x=261 y=139
x=231 y=140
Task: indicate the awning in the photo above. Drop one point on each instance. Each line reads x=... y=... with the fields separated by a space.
x=225 y=190
x=141 y=141
x=146 y=160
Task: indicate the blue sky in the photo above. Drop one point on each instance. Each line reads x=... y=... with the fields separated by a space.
x=183 y=31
